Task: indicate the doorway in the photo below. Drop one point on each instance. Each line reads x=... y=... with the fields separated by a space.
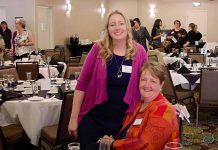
x=45 y=28
x=198 y=17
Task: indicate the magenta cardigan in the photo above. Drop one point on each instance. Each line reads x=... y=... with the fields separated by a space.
x=92 y=80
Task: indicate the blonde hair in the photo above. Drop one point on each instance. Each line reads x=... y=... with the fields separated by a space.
x=156 y=69
x=106 y=45
x=21 y=22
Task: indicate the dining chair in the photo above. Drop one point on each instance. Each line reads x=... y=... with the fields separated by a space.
x=192 y=47
x=83 y=57
x=208 y=90
x=175 y=94
x=57 y=135
x=216 y=50
x=155 y=55
x=12 y=135
x=198 y=57
x=54 y=54
x=71 y=69
x=24 y=67
x=8 y=71
x=75 y=59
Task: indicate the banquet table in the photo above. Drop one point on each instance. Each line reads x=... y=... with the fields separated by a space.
x=32 y=115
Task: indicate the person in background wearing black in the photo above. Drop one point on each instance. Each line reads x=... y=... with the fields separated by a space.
x=6 y=34
x=177 y=36
x=193 y=35
x=140 y=34
x=156 y=33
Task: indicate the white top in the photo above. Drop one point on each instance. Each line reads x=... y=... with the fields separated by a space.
x=23 y=37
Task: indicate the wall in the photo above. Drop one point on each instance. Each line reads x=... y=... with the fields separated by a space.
x=20 y=8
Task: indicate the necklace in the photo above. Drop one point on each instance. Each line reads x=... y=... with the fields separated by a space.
x=119 y=72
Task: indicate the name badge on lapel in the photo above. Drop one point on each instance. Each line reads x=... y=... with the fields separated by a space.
x=137 y=122
x=126 y=69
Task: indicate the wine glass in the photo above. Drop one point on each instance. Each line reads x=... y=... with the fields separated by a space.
x=173 y=146
x=10 y=80
x=5 y=79
x=48 y=59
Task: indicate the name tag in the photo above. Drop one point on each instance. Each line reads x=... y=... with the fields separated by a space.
x=126 y=69
x=137 y=122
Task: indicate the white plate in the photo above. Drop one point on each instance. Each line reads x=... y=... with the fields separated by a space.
x=19 y=90
x=195 y=73
x=35 y=98
x=52 y=92
x=26 y=93
x=60 y=82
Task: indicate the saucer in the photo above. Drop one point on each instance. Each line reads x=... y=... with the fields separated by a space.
x=26 y=93
x=60 y=82
x=19 y=90
x=35 y=98
x=52 y=92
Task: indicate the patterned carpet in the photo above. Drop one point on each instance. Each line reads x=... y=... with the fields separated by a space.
x=205 y=136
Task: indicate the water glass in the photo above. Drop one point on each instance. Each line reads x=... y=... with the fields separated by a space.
x=76 y=75
x=74 y=146
x=1 y=83
x=104 y=146
x=10 y=80
x=173 y=146
x=5 y=79
x=28 y=76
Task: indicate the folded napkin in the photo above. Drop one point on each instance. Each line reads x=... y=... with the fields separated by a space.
x=183 y=69
x=194 y=61
x=185 y=59
x=174 y=54
x=6 y=95
x=173 y=65
x=212 y=55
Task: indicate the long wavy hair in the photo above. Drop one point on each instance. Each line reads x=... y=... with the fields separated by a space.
x=106 y=44
x=157 y=23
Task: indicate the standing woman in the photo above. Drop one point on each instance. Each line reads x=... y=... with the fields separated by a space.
x=177 y=35
x=156 y=33
x=107 y=87
x=140 y=34
x=23 y=40
x=7 y=35
x=193 y=35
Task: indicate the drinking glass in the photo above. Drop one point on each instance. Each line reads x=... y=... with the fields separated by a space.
x=74 y=146
x=5 y=78
x=76 y=75
x=1 y=83
x=10 y=80
x=104 y=145
x=28 y=76
x=48 y=60
x=173 y=146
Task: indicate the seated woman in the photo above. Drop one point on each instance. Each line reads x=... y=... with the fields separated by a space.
x=153 y=123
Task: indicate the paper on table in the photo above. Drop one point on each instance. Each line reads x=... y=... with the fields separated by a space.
x=183 y=112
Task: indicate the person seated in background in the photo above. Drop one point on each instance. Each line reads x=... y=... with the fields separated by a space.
x=193 y=35
x=23 y=40
x=177 y=36
x=153 y=123
x=140 y=34
x=156 y=33
x=2 y=47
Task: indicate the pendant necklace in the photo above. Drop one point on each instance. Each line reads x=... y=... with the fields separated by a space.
x=119 y=72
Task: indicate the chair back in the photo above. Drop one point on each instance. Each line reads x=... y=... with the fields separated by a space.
x=71 y=70
x=75 y=59
x=197 y=56
x=83 y=57
x=23 y=67
x=168 y=88
x=216 y=50
x=8 y=71
x=66 y=108
x=54 y=54
x=209 y=84
x=192 y=47
x=2 y=139
x=155 y=55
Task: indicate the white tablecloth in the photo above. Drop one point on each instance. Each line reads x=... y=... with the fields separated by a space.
x=32 y=115
x=179 y=79
x=44 y=71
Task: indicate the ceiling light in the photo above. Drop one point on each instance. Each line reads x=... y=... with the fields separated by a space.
x=196 y=4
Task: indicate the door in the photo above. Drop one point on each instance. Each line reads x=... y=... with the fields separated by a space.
x=45 y=28
x=198 y=17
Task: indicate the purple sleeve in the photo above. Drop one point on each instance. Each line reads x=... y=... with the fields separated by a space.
x=87 y=69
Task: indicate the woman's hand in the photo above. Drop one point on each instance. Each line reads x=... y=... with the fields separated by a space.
x=106 y=140
x=72 y=127
x=21 y=44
